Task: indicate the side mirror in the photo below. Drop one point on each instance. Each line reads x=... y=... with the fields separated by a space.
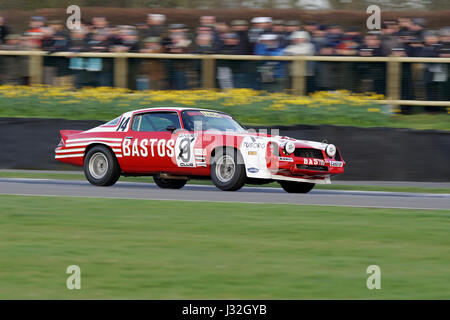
x=171 y=128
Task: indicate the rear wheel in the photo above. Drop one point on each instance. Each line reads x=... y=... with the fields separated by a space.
x=169 y=183
x=101 y=167
x=296 y=187
x=228 y=170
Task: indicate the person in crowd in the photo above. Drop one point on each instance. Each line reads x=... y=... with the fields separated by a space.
x=292 y=26
x=311 y=27
x=100 y=69
x=4 y=30
x=260 y=26
x=389 y=37
x=152 y=73
x=229 y=72
x=444 y=52
x=36 y=31
x=240 y=28
x=334 y=35
x=178 y=69
x=301 y=46
x=155 y=25
x=13 y=69
x=373 y=73
x=78 y=43
x=55 y=39
x=279 y=29
x=272 y=74
x=436 y=74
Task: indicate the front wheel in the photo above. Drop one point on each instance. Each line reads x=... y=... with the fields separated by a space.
x=169 y=183
x=296 y=187
x=101 y=167
x=228 y=170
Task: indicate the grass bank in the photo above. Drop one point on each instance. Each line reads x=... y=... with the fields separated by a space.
x=131 y=249
x=248 y=106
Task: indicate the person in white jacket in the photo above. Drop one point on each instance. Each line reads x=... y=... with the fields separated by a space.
x=301 y=46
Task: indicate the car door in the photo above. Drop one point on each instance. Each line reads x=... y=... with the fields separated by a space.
x=150 y=144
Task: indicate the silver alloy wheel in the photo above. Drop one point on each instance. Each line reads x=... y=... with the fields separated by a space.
x=98 y=165
x=225 y=168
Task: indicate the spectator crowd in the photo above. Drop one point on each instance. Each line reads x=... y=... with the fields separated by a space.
x=404 y=37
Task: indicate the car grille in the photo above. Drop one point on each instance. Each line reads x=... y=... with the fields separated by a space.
x=307 y=167
x=308 y=153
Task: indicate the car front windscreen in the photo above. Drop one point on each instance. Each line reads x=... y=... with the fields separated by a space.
x=196 y=120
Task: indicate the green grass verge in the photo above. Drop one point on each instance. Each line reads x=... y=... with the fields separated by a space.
x=80 y=176
x=249 y=107
x=140 y=249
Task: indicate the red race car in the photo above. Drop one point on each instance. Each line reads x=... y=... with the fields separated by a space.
x=177 y=144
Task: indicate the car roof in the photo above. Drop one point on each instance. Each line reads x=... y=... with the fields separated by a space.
x=170 y=109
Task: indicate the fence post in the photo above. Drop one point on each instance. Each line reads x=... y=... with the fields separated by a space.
x=394 y=74
x=36 y=66
x=208 y=73
x=299 y=77
x=120 y=72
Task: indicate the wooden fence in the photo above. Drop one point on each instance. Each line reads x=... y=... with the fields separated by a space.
x=393 y=75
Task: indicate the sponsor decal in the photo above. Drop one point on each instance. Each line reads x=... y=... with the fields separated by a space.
x=337 y=164
x=313 y=162
x=253 y=170
x=148 y=148
x=252 y=145
x=252 y=153
x=211 y=114
x=287 y=159
x=200 y=152
x=184 y=149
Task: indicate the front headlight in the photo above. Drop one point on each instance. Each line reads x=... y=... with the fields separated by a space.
x=289 y=147
x=331 y=150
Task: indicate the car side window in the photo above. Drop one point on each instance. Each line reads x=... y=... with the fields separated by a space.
x=155 y=121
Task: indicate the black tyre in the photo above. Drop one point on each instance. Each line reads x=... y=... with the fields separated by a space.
x=296 y=187
x=228 y=170
x=169 y=183
x=101 y=167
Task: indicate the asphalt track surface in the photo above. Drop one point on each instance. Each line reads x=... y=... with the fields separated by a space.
x=149 y=191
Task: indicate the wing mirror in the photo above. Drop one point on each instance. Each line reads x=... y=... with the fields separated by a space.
x=171 y=128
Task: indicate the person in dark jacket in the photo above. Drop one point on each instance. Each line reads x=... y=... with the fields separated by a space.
x=4 y=30
x=436 y=74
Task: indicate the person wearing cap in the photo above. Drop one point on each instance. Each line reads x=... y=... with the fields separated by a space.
x=260 y=26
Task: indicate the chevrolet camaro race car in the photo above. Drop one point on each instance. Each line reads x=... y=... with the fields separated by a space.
x=177 y=144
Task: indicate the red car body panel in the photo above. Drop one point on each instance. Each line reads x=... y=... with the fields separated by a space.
x=188 y=153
